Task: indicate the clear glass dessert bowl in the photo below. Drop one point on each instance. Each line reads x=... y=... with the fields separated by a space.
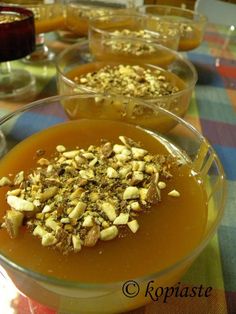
x=191 y=24
x=165 y=66
x=79 y=13
x=100 y=284
x=105 y=29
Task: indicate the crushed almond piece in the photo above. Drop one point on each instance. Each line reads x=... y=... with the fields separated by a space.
x=19 y=203
x=130 y=193
x=48 y=239
x=5 y=181
x=161 y=185
x=109 y=233
x=19 y=178
x=13 y=222
x=60 y=148
x=174 y=193
x=76 y=243
x=92 y=236
x=133 y=225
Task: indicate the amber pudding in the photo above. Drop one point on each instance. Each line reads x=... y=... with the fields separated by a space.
x=78 y=16
x=106 y=34
x=191 y=24
x=48 y=17
x=131 y=49
x=177 y=73
x=158 y=226
x=153 y=84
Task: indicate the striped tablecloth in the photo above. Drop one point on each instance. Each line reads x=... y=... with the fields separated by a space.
x=212 y=112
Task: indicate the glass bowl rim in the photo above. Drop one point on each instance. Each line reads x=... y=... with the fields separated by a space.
x=117 y=284
x=178 y=56
x=128 y=14
x=202 y=18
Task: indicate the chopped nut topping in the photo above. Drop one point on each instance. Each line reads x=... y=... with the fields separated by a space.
x=4 y=181
x=118 y=44
x=146 y=34
x=69 y=203
x=174 y=193
x=128 y=80
x=90 y=11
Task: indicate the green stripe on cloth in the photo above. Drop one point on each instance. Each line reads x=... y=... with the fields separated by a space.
x=214 y=102
x=193 y=110
x=207 y=269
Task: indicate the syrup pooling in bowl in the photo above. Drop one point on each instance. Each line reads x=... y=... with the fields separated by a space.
x=168 y=231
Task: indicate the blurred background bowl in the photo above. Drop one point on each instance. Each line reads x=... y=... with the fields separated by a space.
x=191 y=24
x=105 y=29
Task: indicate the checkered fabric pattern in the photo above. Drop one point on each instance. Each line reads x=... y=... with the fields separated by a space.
x=212 y=112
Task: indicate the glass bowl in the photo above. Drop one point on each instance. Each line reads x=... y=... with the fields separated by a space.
x=77 y=60
x=191 y=24
x=105 y=29
x=79 y=13
x=100 y=296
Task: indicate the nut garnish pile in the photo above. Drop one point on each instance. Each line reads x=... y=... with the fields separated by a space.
x=131 y=47
x=90 y=12
x=80 y=196
x=128 y=80
x=10 y=18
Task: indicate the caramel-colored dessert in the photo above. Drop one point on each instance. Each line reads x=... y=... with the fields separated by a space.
x=155 y=85
x=122 y=47
x=49 y=25
x=190 y=37
x=167 y=229
x=78 y=17
x=48 y=17
x=105 y=31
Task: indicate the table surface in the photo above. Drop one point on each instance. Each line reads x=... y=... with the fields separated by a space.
x=212 y=112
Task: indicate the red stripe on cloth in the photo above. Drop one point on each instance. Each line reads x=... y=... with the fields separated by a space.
x=23 y=305
x=227 y=71
x=215 y=38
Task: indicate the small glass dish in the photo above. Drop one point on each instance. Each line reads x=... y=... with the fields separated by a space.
x=191 y=24
x=76 y=296
x=77 y=60
x=79 y=13
x=104 y=31
x=17 y=37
